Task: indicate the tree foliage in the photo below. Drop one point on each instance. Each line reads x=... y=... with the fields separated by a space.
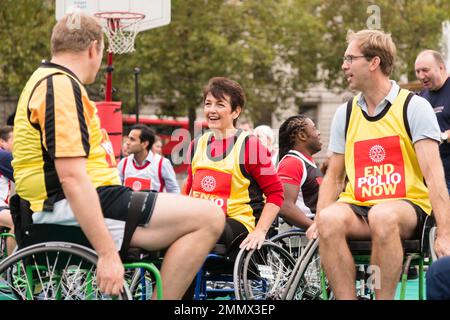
x=25 y=29
x=275 y=49
x=267 y=46
x=414 y=25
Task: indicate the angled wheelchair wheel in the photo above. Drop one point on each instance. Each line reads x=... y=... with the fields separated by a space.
x=293 y=241
x=308 y=281
x=238 y=284
x=262 y=274
x=53 y=271
x=144 y=280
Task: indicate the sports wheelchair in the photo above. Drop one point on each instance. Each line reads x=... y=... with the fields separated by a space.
x=57 y=270
x=215 y=277
x=308 y=281
x=56 y=262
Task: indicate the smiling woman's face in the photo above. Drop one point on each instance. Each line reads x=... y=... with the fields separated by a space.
x=218 y=112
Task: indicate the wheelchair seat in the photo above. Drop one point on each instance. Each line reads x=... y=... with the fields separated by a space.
x=220 y=260
x=418 y=245
x=417 y=252
x=39 y=233
x=358 y=247
x=219 y=249
x=218 y=268
x=139 y=255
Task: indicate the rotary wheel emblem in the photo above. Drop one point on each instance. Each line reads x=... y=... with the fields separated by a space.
x=377 y=153
x=136 y=185
x=208 y=183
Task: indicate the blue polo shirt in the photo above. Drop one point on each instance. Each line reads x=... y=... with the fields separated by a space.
x=440 y=101
x=5 y=164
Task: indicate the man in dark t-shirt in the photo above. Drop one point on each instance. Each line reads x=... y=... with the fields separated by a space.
x=431 y=71
x=5 y=164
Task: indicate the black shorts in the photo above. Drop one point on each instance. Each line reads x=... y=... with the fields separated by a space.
x=363 y=211
x=233 y=234
x=3 y=208
x=114 y=201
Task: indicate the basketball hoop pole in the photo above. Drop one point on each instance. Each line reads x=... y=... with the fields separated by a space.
x=109 y=70
x=136 y=91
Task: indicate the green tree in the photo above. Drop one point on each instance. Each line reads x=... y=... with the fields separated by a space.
x=25 y=29
x=414 y=25
x=269 y=47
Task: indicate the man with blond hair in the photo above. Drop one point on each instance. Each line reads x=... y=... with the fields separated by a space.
x=386 y=140
x=65 y=173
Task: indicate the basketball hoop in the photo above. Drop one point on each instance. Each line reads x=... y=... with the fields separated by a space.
x=121 y=30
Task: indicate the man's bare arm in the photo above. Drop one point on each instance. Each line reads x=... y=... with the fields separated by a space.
x=289 y=211
x=431 y=165
x=85 y=204
x=333 y=182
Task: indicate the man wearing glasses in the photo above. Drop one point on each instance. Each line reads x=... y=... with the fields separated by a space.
x=385 y=140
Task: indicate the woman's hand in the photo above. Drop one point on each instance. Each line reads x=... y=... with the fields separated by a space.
x=254 y=240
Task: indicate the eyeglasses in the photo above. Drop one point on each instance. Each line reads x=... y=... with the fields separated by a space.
x=349 y=59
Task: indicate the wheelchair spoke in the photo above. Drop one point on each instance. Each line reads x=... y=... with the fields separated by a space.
x=266 y=272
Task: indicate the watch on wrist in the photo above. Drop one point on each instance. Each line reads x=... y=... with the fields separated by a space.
x=444 y=137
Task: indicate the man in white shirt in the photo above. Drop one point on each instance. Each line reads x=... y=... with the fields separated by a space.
x=143 y=169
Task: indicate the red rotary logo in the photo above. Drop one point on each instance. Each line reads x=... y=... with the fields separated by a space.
x=136 y=185
x=208 y=183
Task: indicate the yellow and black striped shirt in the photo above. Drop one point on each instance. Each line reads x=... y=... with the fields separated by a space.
x=56 y=119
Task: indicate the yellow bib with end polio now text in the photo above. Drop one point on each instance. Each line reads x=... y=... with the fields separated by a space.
x=380 y=160
x=225 y=181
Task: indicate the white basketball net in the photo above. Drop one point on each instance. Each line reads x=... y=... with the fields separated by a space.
x=121 y=30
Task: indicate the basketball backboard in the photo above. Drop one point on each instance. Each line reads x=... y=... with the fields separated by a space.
x=157 y=12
